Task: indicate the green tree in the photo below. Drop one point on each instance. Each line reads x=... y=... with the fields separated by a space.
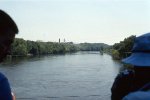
x=124 y=47
x=19 y=47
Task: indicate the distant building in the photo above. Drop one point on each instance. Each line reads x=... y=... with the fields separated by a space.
x=64 y=40
x=59 y=40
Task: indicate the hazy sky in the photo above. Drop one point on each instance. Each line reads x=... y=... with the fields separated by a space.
x=107 y=21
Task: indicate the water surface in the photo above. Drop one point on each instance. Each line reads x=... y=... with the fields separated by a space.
x=77 y=76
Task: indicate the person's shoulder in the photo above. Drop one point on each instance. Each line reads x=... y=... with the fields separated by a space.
x=123 y=78
x=121 y=85
x=126 y=73
x=2 y=76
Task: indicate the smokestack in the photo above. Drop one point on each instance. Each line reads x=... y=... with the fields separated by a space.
x=59 y=40
x=64 y=40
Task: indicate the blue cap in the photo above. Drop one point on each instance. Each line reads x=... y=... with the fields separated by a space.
x=140 y=52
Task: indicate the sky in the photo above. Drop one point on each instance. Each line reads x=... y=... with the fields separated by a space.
x=79 y=21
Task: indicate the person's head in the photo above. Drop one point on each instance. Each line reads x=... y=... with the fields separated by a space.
x=140 y=56
x=8 y=29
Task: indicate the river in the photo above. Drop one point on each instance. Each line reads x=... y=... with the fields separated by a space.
x=76 y=76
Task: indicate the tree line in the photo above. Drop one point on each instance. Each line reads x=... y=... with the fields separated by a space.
x=21 y=47
x=92 y=46
x=123 y=48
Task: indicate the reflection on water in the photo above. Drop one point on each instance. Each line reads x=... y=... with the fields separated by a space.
x=77 y=76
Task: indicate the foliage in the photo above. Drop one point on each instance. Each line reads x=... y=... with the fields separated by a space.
x=115 y=54
x=21 y=47
x=92 y=46
x=124 y=47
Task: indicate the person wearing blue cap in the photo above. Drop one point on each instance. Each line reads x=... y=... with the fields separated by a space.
x=130 y=81
x=8 y=29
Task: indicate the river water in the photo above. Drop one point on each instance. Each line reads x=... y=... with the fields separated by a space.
x=76 y=76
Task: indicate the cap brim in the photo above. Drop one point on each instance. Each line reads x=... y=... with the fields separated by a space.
x=138 y=59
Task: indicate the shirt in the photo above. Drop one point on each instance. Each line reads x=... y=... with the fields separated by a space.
x=5 y=91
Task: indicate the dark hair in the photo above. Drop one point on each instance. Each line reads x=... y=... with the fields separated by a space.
x=7 y=23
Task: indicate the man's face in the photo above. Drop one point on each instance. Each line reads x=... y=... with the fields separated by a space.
x=6 y=40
